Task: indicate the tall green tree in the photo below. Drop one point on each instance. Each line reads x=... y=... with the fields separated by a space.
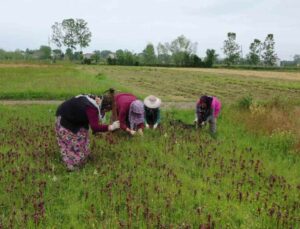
x=181 y=48
x=148 y=55
x=70 y=36
x=163 y=54
x=71 y=33
x=231 y=49
x=83 y=33
x=211 y=57
x=269 y=55
x=57 y=36
x=255 y=52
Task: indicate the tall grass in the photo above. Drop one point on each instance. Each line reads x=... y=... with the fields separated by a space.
x=276 y=118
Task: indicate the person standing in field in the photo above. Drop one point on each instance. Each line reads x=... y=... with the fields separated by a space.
x=73 y=119
x=130 y=113
x=207 y=110
x=152 y=111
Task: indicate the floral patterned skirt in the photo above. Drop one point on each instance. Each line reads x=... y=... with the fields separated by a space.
x=74 y=148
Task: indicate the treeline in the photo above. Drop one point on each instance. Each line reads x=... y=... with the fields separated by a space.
x=43 y=53
x=181 y=52
x=73 y=34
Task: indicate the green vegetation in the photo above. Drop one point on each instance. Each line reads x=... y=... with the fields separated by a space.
x=49 y=82
x=174 y=177
x=177 y=177
x=183 y=84
x=171 y=84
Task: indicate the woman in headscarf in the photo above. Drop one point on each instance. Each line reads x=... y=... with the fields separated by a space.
x=130 y=113
x=152 y=111
x=207 y=110
x=74 y=116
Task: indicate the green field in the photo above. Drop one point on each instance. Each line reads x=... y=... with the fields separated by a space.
x=59 y=81
x=49 y=82
x=247 y=176
x=172 y=178
x=187 y=84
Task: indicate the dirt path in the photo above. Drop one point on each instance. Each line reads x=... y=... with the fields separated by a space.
x=24 y=65
x=165 y=105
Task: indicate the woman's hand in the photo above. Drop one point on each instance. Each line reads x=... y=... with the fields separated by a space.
x=115 y=125
x=131 y=132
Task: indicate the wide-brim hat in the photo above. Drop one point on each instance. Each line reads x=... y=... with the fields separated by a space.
x=152 y=102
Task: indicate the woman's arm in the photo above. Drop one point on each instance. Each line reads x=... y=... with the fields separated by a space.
x=93 y=118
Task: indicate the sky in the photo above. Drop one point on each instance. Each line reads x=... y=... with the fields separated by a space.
x=132 y=24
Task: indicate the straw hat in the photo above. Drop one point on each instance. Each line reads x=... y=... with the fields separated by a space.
x=152 y=102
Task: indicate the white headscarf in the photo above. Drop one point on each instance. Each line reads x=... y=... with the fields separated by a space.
x=94 y=103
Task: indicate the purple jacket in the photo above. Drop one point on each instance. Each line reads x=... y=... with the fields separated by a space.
x=123 y=101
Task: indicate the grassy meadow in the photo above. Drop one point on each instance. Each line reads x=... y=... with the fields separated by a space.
x=173 y=84
x=247 y=176
x=176 y=177
x=49 y=82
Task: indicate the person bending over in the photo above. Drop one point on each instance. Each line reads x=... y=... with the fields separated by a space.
x=152 y=111
x=73 y=119
x=207 y=110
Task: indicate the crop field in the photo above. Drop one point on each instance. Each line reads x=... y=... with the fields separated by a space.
x=48 y=82
x=186 y=84
x=247 y=176
x=175 y=85
x=176 y=177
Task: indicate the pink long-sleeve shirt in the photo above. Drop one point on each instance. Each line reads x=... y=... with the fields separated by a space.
x=123 y=102
x=216 y=106
x=93 y=117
